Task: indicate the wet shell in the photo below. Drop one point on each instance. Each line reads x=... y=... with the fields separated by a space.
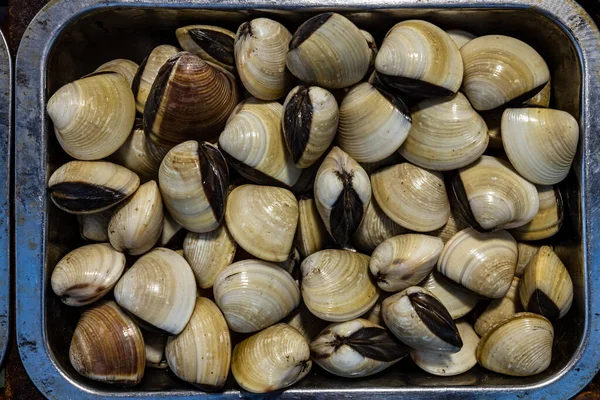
x=94 y=227
x=201 y=353
x=450 y=364
x=270 y=360
x=546 y=287
x=457 y=300
x=126 y=68
x=342 y=193
x=253 y=144
x=193 y=180
x=189 y=99
x=374 y=229
x=159 y=289
x=519 y=346
x=87 y=273
x=107 y=346
x=311 y=235
x=404 y=260
x=328 y=50
x=500 y=69
x=540 y=143
x=446 y=134
x=491 y=195
x=155 y=344
x=92 y=116
x=86 y=187
x=499 y=309
x=147 y=71
x=482 y=262
x=305 y=322
x=413 y=197
x=336 y=285
x=542 y=98
x=309 y=123
x=420 y=321
x=136 y=223
x=255 y=294
x=549 y=218
x=356 y=349
x=261 y=46
x=460 y=37
x=210 y=43
x=263 y=220
x=526 y=251
x=420 y=59
x=373 y=123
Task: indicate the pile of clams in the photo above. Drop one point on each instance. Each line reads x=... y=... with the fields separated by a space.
x=264 y=202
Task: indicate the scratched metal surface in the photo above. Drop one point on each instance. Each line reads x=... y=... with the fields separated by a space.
x=70 y=38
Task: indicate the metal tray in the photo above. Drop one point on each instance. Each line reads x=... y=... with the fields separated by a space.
x=70 y=38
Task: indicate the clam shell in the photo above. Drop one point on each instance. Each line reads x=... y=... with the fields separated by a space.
x=450 y=364
x=356 y=349
x=446 y=134
x=94 y=227
x=270 y=360
x=493 y=120
x=155 y=344
x=413 y=197
x=372 y=48
x=336 y=285
x=546 y=287
x=540 y=143
x=328 y=50
x=482 y=262
x=159 y=289
x=86 y=187
x=92 y=116
x=87 y=273
x=419 y=58
x=526 y=251
x=393 y=159
x=374 y=314
x=499 y=309
x=107 y=346
x=499 y=69
x=126 y=68
x=373 y=123
x=201 y=353
x=147 y=72
x=255 y=294
x=542 y=98
x=137 y=223
x=305 y=322
x=404 y=260
x=263 y=220
x=455 y=224
x=518 y=346
x=457 y=300
x=193 y=180
x=210 y=43
x=548 y=220
x=173 y=234
x=311 y=234
x=460 y=37
x=374 y=229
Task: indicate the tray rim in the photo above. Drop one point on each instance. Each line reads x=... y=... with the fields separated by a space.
x=30 y=194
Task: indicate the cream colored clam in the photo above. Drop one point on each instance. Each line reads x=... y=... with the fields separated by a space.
x=155 y=343
x=548 y=220
x=94 y=227
x=413 y=197
x=526 y=252
x=457 y=300
x=210 y=43
x=455 y=223
x=147 y=72
x=542 y=98
x=372 y=48
x=499 y=309
x=374 y=229
x=374 y=314
x=126 y=68
x=460 y=37
x=311 y=235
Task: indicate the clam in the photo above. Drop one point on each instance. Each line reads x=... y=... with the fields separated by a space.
x=413 y=197
x=519 y=346
x=336 y=285
x=208 y=254
x=147 y=72
x=253 y=144
x=155 y=344
x=500 y=69
x=193 y=180
x=374 y=314
x=491 y=195
x=272 y=359
x=201 y=353
x=455 y=223
x=328 y=50
x=418 y=58
x=260 y=49
x=92 y=116
x=526 y=251
x=546 y=287
x=356 y=349
x=542 y=98
x=173 y=234
x=137 y=223
x=94 y=227
x=342 y=193
x=374 y=229
x=255 y=294
x=86 y=187
x=210 y=43
x=373 y=123
x=126 y=68
x=493 y=120
x=460 y=37
x=87 y=273
x=291 y=263
x=107 y=346
x=139 y=154
x=482 y=262
x=450 y=364
x=540 y=143
x=499 y=309
x=263 y=220
x=159 y=289
x=457 y=300
x=190 y=99
x=404 y=260
x=309 y=123
x=446 y=134
x=393 y=159
x=372 y=47
x=420 y=321
x=549 y=218
x=311 y=235
x=305 y=322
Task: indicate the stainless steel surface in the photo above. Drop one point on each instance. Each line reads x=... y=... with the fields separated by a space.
x=70 y=38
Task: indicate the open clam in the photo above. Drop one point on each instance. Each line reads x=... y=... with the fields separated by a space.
x=126 y=68
x=374 y=229
x=94 y=227
x=457 y=300
x=210 y=43
x=549 y=218
x=499 y=309
x=311 y=235
x=147 y=71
